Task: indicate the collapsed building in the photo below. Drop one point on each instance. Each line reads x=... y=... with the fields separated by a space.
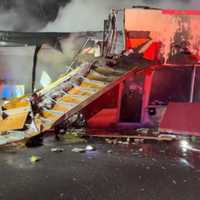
x=144 y=73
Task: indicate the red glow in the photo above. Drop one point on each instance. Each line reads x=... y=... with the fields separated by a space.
x=152 y=52
x=181 y=12
x=106 y=118
x=134 y=43
x=108 y=100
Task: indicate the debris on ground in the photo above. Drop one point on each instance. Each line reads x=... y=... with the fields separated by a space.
x=112 y=141
x=164 y=168
x=57 y=149
x=155 y=133
x=162 y=151
x=127 y=142
x=143 y=130
x=73 y=137
x=167 y=137
x=109 y=151
x=13 y=147
x=82 y=150
x=140 y=150
x=148 y=168
x=138 y=141
x=142 y=189
x=109 y=141
x=117 y=141
x=78 y=150
x=125 y=139
x=89 y=148
x=35 y=159
x=174 y=182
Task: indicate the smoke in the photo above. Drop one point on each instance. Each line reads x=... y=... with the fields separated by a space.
x=88 y=15
x=71 y=15
x=14 y=20
x=16 y=62
x=29 y=15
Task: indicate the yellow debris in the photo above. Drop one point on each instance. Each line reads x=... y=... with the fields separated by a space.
x=78 y=91
x=13 y=122
x=35 y=159
x=91 y=85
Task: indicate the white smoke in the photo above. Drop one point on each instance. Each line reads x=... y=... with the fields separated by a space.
x=88 y=15
x=6 y=20
x=78 y=15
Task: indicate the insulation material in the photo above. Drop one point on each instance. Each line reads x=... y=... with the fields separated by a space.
x=16 y=103
x=13 y=122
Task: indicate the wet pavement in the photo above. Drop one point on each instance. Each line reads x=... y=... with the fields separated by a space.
x=146 y=171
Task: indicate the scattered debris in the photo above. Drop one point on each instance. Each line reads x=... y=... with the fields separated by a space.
x=155 y=133
x=57 y=149
x=124 y=143
x=73 y=137
x=140 y=150
x=162 y=151
x=137 y=141
x=143 y=130
x=154 y=160
x=74 y=179
x=35 y=159
x=89 y=148
x=167 y=137
x=113 y=138
x=119 y=142
x=108 y=141
x=115 y=141
x=164 y=168
x=174 y=182
x=127 y=142
x=78 y=150
x=148 y=168
x=109 y=151
x=61 y=195
x=135 y=153
x=82 y=150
